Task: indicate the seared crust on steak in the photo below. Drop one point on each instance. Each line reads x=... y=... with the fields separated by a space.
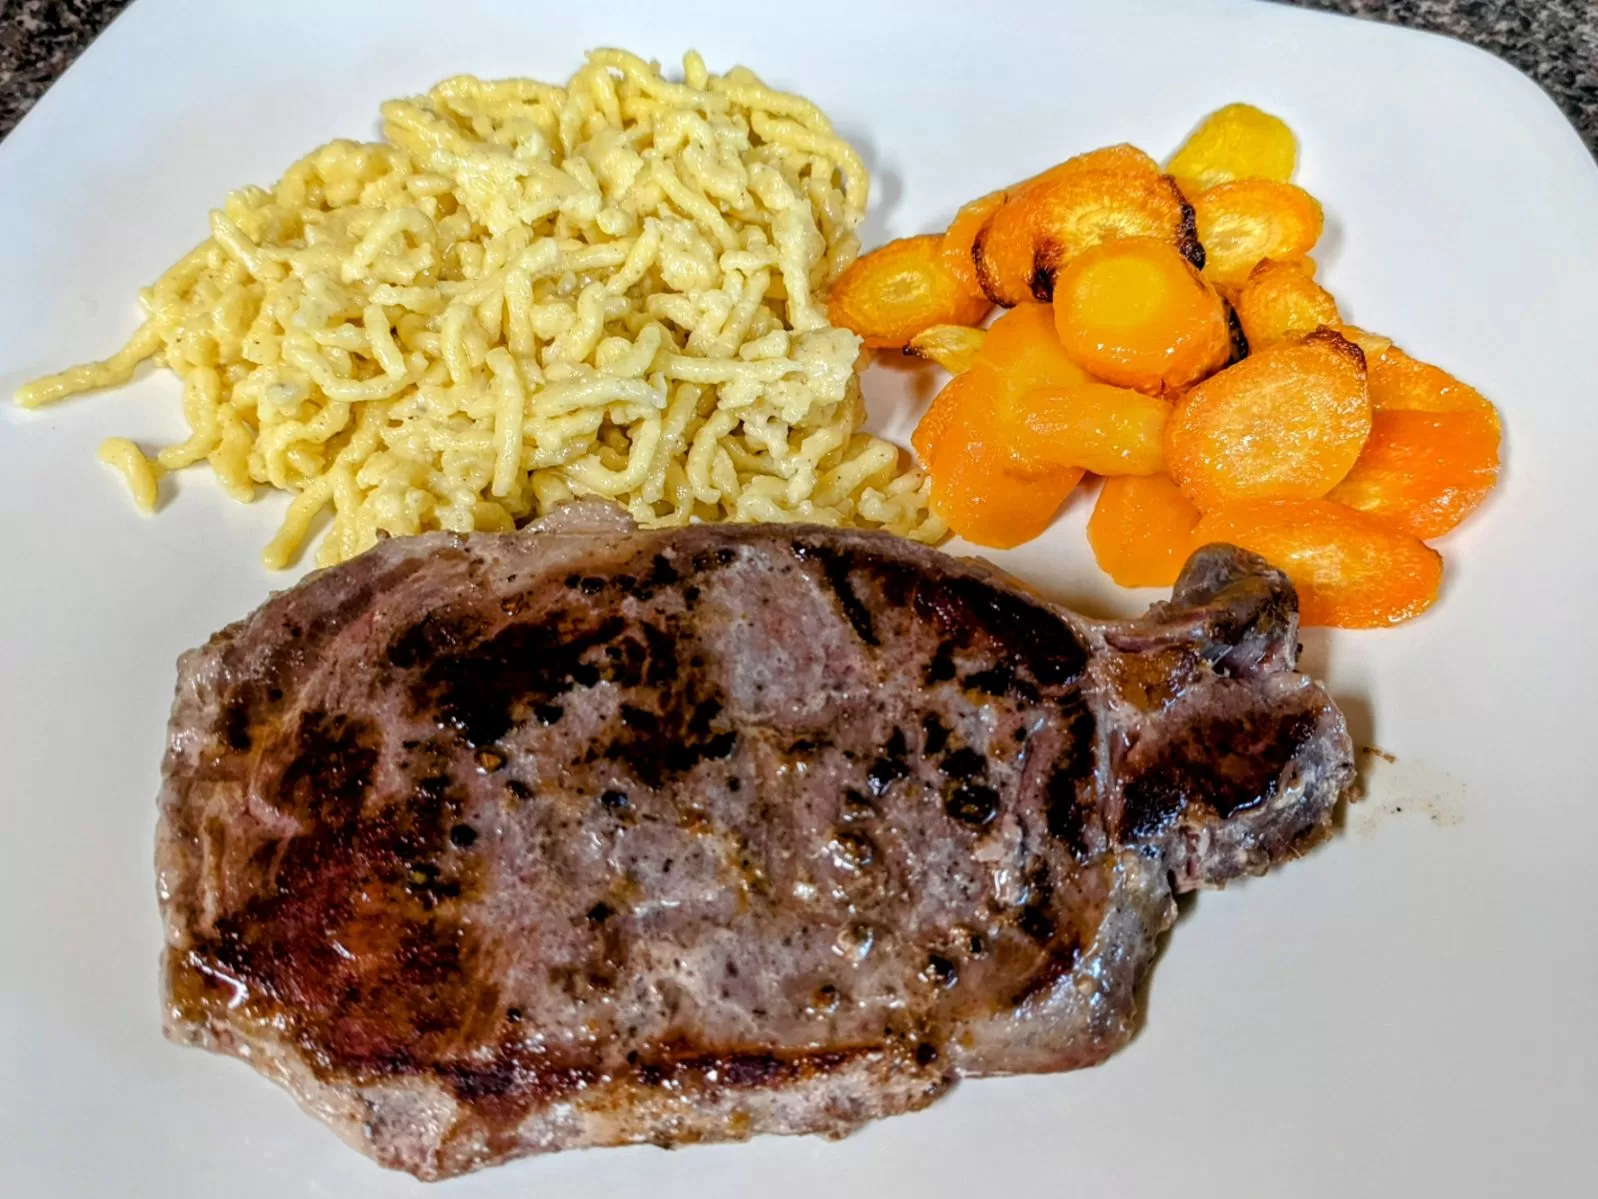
x=493 y=845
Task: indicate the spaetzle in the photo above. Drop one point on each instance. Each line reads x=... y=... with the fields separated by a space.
x=524 y=294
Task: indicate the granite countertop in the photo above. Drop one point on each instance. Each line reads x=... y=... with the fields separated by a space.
x=1553 y=41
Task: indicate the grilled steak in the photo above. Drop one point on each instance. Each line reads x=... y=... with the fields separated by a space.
x=487 y=846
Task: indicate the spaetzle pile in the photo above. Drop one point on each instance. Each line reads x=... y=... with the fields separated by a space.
x=528 y=293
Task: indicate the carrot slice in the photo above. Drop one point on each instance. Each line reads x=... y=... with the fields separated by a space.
x=962 y=232
x=1134 y=312
x=1141 y=530
x=1372 y=345
x=1049 y=220
x=897 y=290
x=1019 y=353
x=1123 y=156
x=972 y=218
x=1023 y=347
x=1280 y=302
x=1288 y=422
x=1352 y=571
x=1246 y=221
x=948 y=408
x=1400 y=382
x=974 y=486
x=953 y=347
x=1235 y=142
x=1107 y=430
x=1423 y=472
x=974 y=491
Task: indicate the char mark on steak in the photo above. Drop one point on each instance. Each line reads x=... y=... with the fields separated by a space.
x=496 y=845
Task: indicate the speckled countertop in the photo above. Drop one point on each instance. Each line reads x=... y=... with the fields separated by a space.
x=1553 y=41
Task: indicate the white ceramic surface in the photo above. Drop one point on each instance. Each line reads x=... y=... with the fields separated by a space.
x=1408 y=1010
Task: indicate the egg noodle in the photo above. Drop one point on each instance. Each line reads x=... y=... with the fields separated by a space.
x=525 y=294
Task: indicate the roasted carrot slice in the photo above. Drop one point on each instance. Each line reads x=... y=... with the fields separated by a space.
x=974 y=488
x=1244 y=222
x=1423 y=472
x=1019 y=353
x=1280 y=302
x=1141 y=530
x=1134 y=312
x=1049 y=220
x=962 y=232
x=1372 y=345
x=1287 y=422
x=949 y=408
x=953 y=347
x=1352 y=571
x=1235 y=142
x=1107 y=430
x=1398 y=381
x=983 y=501
x=897 y=290
x=1123 y=156
x=1023 y=347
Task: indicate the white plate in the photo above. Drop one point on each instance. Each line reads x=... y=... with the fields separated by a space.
x=1407 y=1010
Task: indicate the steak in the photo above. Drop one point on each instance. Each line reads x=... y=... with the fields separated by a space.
x=493 y=845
